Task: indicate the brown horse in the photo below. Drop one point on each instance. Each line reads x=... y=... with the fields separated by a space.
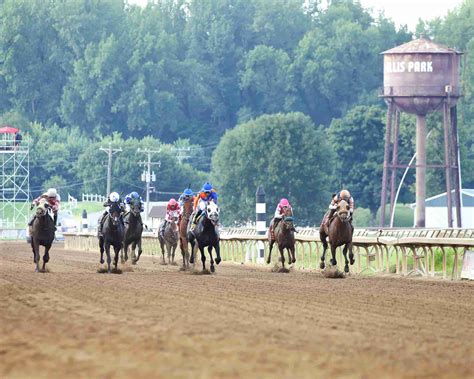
x=169 y=239
x=183 y=230
x=284 y=236
x=340 y=233
x=42 y=233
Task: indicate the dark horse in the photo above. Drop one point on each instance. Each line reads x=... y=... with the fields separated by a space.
x=284 y=236
x=112 y=235
x=205 y=234
x=340 y=233
x=133 y=232
x=42 y=233
x=183 y=231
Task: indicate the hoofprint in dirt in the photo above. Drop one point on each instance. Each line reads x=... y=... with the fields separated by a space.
x=155 y=321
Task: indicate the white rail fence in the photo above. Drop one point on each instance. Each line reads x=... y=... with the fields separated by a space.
x=93 y=198
x=427 y=252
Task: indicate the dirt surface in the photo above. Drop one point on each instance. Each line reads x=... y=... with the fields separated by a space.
x=154 y=321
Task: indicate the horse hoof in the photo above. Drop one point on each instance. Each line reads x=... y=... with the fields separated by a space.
x=134 y=262
x=218 y=260
x=213 y=269
x=191 y=260
x=333 y=262
x=322 y=265
x=101 y=261
x=352 y=261
x=346 y=268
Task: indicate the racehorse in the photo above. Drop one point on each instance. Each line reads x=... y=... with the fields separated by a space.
x=133 y=232
x=340 y=233
x=112 y=235
x=169 y=239
x=42 y=233
x=183 y=231
x=205 y=234
x=284 y=236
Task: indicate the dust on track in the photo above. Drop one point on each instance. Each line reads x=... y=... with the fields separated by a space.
x=154 y=321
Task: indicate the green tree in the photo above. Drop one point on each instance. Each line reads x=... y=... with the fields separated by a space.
x=265 y=80
x=286 y=154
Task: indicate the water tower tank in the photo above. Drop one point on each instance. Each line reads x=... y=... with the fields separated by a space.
x=418 y=76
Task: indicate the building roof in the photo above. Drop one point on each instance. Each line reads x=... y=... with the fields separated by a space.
x=441 y=199
x=157 y=211
x=421 y=46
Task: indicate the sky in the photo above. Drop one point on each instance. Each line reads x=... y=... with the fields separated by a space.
x=400 y=11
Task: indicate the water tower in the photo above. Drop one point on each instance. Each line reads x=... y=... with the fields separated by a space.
x=422 y=77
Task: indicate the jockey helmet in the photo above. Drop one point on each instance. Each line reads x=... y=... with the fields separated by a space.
x=188 y=192
x=284 y=203
x=114 y=197
x=207 y=187
x=134 y=195
x=173 y=204
x=345 y=194
x=51 y=192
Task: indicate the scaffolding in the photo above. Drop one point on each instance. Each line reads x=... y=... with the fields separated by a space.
x=14 y=182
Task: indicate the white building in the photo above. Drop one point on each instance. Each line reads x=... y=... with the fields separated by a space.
x=437 y=213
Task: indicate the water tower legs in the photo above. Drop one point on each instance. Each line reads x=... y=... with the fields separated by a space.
x=420 y=170
x=447 y=163
x=457 y=165
x=388 y=131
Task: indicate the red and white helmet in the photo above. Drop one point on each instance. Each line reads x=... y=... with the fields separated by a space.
x=284 y=203
x=172 y=204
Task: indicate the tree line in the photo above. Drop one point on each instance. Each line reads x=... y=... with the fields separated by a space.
x=78 y=74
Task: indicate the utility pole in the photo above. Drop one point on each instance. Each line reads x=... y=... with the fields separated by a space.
x=109 y=152
x=147 y=175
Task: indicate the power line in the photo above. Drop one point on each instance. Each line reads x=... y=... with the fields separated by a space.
x=109 y=152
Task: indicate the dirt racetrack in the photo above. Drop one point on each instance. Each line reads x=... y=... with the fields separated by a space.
x=240 y=322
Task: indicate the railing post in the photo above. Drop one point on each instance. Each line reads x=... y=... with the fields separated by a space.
x=260 y=210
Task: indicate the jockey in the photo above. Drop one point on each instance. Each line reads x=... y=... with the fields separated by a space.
x=172 y=210
x=280 y=211
x=134 y=195
x=114 y=197
x=342 y=195
x=52 y=197
x=205 y=196
x=185 y=196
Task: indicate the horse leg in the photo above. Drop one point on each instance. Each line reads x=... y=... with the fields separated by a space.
x=107 y=252
x=351 y=254
x=346 y=262
x=101 y=247
x=37 y=255
x=46 y=256
x=123 y=253
x=218 y=253
x=209 y=250
x=269 y=258
x=325 y=247
x=117 y=250
x=282 y=256
x=292 y=249
x=191 y=258
x=162 y=252
x=333 y=254
x=139 y=244
x=203 y=258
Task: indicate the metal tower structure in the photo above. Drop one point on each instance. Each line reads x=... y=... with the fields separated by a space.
x=14 y=182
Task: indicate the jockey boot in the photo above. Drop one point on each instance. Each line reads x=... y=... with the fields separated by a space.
x=30 y=223
x=55 y=220
x=329 y=218
x=101 y=224
x=162 y=229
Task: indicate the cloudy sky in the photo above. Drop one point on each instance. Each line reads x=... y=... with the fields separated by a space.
x=401 y=11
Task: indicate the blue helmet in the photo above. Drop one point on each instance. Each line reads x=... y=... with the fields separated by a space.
x=134 y=195
x=188 y=192
x=207 y=187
